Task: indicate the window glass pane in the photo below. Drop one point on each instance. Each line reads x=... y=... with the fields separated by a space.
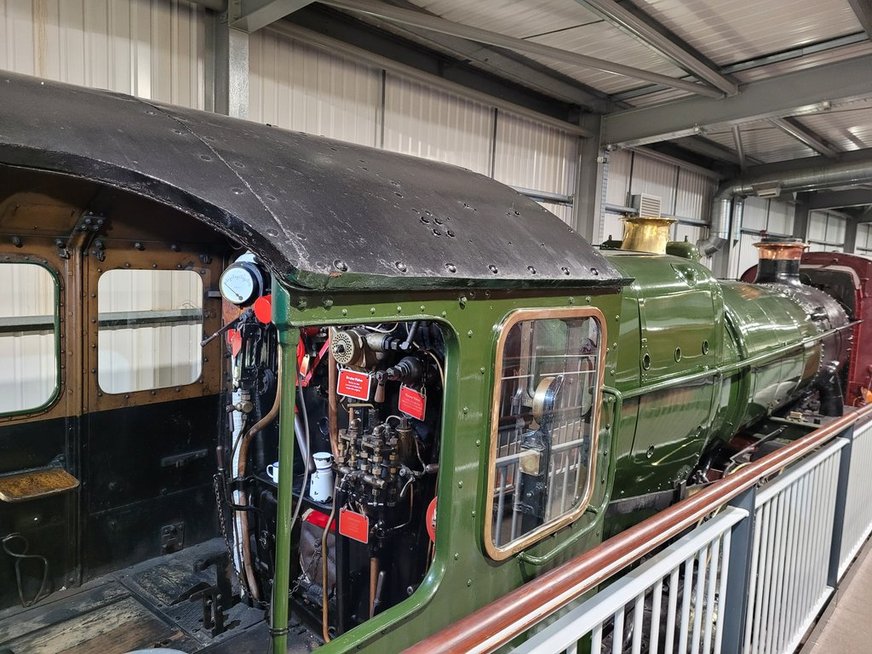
x=548 y=385
x=28 y=336
x=151 y=324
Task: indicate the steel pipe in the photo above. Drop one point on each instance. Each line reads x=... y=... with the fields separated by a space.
x=812 y=178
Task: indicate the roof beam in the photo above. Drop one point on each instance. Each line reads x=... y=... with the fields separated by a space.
x=252 y=15
x=805 y=91
x=863 y=10
x=650 y=33
x=508 y=65
x=855 y=197
x=436 y=24
x=740 y=149
x=803 y=135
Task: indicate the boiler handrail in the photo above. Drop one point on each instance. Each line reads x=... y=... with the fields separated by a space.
x=504 y=619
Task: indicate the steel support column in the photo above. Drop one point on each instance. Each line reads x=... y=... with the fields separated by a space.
x=800 y=215
x=850 y=235
x=226 y=69
x=735 y=604
x=590 y=181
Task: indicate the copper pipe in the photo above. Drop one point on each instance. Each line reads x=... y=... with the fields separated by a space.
x=504 y=619
x=239 y=473
x=332 y=399
x=325 y=625
x=373 y=582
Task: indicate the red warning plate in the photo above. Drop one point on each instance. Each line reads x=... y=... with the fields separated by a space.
x=413 y=403
x=354 y=384
x=354 y=525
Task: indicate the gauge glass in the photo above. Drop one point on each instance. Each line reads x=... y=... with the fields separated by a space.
x=237 y=285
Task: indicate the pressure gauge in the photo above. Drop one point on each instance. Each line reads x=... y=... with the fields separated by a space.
x=242 y=282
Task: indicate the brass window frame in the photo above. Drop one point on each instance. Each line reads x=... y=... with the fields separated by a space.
x=546 y=529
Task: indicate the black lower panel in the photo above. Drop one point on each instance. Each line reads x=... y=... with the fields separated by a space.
x=148 y=481
x=123 y=536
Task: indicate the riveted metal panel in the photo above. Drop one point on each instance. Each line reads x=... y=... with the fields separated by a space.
x=149 y=48
x=534 y=156
x=429 y=123
x=302 y=88
x=298 y=200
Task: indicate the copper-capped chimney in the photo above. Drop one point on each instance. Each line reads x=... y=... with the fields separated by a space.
x=779 y=258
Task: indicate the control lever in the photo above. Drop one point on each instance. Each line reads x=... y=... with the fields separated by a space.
x=245 y=315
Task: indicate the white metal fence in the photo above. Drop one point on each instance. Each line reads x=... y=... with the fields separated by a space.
x=750 y=580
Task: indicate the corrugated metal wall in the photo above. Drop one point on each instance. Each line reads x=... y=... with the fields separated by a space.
x=864 y=239
x=150 y=48
x=685 y=194
x=297 y=87
x=761 y=215
x=826 y=231
x=300 y=86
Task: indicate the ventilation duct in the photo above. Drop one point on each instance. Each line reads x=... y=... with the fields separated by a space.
x=729 y=199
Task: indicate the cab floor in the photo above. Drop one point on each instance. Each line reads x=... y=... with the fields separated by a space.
x=139 y=607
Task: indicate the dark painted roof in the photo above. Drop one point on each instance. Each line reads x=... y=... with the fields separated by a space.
x=323 y=213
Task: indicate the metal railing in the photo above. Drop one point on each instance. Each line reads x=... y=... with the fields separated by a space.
x=751 y=580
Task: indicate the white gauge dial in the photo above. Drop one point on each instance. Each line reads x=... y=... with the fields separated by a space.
x=238 y=285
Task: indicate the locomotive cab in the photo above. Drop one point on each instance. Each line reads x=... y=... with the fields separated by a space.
x=266 y=386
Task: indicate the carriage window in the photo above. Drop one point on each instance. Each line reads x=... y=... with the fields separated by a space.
x=545 y=415
x=150 y=327
x=28 y=337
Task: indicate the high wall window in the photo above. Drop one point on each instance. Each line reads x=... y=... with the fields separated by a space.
x=150 y=328
x=543 y=439
x=28 y=337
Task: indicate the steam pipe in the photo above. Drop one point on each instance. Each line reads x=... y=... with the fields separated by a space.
x=811 y=178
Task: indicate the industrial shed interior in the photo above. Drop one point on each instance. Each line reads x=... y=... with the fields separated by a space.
x=734 y=121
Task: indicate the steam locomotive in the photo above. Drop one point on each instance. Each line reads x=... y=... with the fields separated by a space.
x=394 y=390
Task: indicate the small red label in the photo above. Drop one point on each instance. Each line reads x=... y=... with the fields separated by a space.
x=354 y=525
x=354 y=384
x=234 y=339
x=413 y=403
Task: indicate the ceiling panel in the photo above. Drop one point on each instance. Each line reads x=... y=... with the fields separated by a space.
x=727 y=32
x=847 y=129
x=801 y=63
x=605 y=42
x=764 y=142
x=519 y=19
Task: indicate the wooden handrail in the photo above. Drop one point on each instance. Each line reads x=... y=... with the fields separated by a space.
x=506 y=618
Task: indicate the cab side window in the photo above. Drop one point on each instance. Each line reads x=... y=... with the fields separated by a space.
x=150 y=328
x=29 y=333
x=549 y=370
